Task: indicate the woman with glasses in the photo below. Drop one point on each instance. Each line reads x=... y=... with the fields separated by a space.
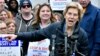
x=3 y=27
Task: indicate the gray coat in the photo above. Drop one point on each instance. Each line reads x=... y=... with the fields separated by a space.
x=22 y=26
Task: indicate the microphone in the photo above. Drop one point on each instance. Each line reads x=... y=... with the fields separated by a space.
x=65 y=36
x=73 y=38
x=75 y=49
x=81 y=54
x=65 y=33
x=53 y=44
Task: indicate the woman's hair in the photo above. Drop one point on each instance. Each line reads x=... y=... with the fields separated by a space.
x=9 y=14
x=37 y=17
x=10 y=7
x=14 y=11
x=75 y=5
x=58 y=14
x=9 y=21
x=36 y=7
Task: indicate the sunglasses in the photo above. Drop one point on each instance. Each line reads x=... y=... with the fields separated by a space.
x=24 y=6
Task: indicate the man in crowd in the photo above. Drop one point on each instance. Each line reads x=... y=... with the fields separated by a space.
x=24 y=20
x=91 y=24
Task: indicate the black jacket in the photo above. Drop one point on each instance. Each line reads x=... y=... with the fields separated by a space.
x=57 y=29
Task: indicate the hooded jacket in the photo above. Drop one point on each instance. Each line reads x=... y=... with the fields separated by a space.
x=22 y=26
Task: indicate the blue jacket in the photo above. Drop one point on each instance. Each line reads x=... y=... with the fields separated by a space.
x=90 y=22
x=57 y=29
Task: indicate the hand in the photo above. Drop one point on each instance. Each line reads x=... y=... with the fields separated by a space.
x=11 y=37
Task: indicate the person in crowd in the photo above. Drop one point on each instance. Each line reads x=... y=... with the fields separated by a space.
x=13 y=7
x=23 y=20
x=5 y=14
x=35 y=9
x=58 y=16
x=67 y=38
x=2 y=2
x=91 y=24
x=43 y=18
x=3 y=5
x=3 y=27
x=11 y=26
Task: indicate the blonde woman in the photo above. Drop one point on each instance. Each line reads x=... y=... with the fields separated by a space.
x=5 y=14
x=67 y=37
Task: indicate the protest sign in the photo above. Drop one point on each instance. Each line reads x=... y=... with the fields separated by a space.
x=9 y=48
x=39 y=48
x=59 y=4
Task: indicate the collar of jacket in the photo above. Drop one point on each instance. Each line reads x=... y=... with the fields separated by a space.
x=19 y=16
x=89 y=6
x=75 y=32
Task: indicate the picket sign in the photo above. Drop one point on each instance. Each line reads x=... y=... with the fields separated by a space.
x=59 y=4
x=9 y=48
x=39 y=48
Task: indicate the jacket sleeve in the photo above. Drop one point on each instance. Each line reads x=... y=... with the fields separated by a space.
x=96 y=47
x=33 y=36
x=97 y=28
x=37 y=35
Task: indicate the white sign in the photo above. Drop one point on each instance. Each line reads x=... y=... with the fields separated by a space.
x=59 y=4
x=40 y=48
x=9 y=48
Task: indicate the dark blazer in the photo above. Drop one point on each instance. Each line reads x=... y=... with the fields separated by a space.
x=57 y=29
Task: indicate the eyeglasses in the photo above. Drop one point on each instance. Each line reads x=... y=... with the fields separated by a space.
x=24 y=6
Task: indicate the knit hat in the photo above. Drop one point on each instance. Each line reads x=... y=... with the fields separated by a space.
x=22 y=2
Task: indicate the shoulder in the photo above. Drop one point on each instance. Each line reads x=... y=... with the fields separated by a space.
x=18 y=17
x=82 y=30
x=52 y=28
x=92 y=8
x=54 y=25
x=82 y=33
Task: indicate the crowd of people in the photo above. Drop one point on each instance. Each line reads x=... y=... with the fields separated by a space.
x=74 y=32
